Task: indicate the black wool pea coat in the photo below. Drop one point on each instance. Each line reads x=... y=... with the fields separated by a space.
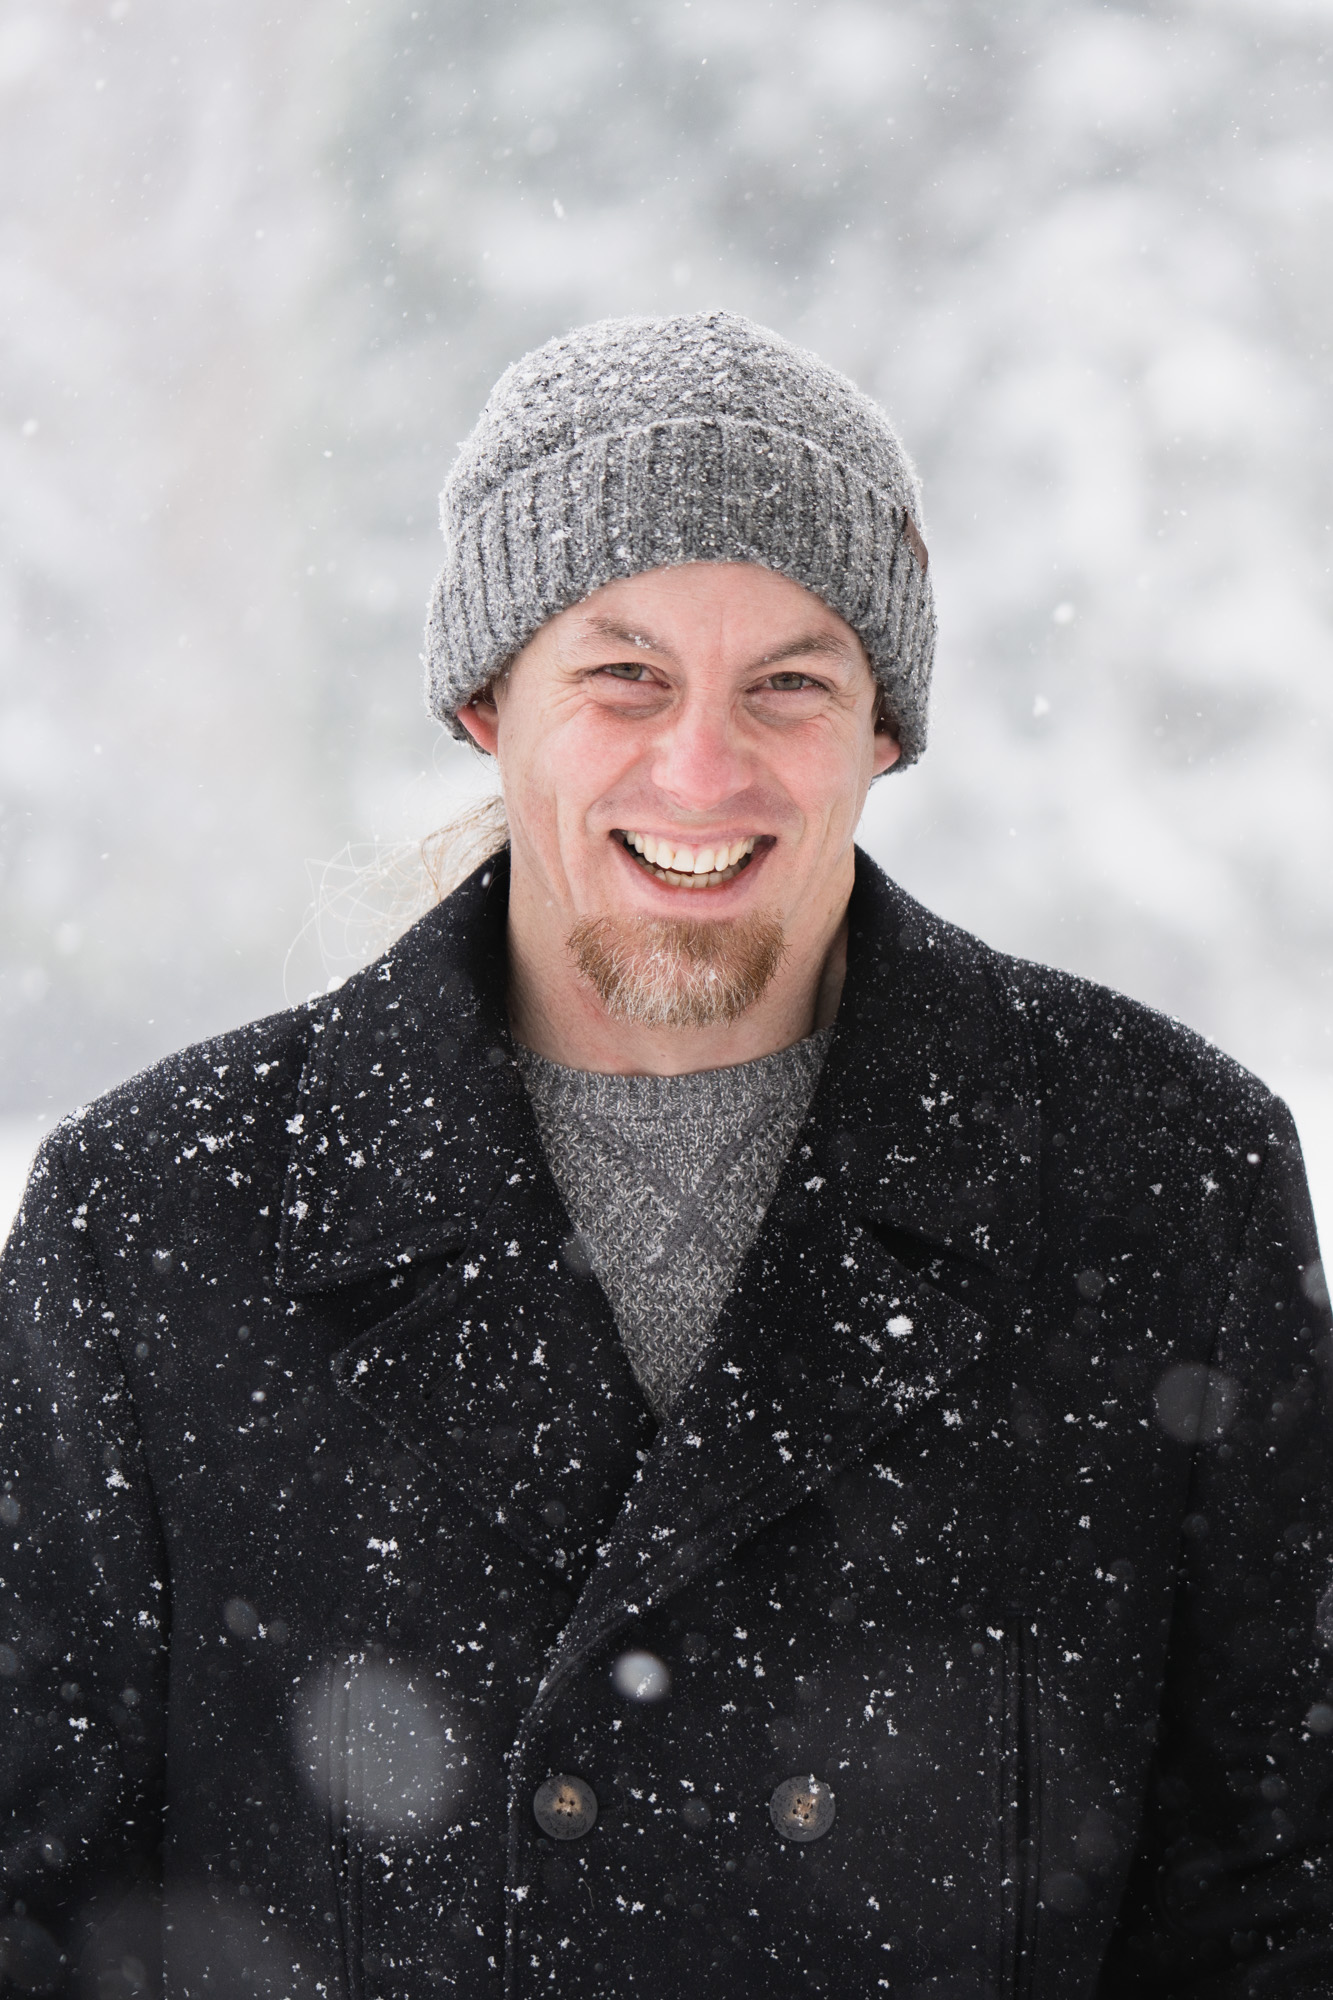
x=332 y=1519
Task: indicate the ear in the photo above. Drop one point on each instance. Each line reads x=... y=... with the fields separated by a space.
x=481 y=719
x=887 y=751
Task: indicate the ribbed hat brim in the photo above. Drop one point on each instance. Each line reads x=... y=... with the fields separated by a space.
x=682 y=490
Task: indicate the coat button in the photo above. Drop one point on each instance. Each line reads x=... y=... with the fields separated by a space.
x=802 y=1809
x=566 y=1808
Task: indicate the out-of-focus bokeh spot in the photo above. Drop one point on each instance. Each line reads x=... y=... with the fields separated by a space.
x=378 y=1750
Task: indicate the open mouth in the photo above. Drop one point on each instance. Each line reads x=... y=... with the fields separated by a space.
x=690 y=867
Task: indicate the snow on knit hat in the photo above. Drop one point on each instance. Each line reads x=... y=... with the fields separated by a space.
x=636 y=444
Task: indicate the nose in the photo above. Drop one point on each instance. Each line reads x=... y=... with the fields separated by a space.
x=699 y=762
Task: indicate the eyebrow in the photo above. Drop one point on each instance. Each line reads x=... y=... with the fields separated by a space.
x=822 y=644
x=642 y=642
x=825 y=645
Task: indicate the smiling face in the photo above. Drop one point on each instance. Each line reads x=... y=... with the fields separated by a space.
x=684 y=756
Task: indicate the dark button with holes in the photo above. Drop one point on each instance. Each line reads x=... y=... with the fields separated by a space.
x=802 y=1809
x=566 y=1808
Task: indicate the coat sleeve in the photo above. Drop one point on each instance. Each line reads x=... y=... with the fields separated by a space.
x=1232 y=1895
x=84 y=1602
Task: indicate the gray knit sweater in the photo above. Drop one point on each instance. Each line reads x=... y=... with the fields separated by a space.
x=667 y=1179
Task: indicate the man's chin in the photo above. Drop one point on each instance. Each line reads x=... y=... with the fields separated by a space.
x=678 y=972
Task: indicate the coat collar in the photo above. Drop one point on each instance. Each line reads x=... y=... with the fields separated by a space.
x=929 y=1110
x=409 y=1106
x=411 y=1115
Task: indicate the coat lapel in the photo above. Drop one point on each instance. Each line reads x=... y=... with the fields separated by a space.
x=770 y=1418
x=507 y=1375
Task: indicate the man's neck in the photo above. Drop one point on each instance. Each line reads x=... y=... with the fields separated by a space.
x=557 y=1015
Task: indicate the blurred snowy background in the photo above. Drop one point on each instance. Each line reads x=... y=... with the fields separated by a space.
x=258 y=274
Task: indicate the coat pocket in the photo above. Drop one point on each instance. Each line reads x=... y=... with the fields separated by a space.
x=1020 y=1724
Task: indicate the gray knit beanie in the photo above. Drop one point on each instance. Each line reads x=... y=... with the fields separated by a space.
x=636 y=444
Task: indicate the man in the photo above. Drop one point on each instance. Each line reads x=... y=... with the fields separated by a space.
x=693 y=1429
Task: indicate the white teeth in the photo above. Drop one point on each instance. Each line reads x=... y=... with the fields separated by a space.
x=687 y=867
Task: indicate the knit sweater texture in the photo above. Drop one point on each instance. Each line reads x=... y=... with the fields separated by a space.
x=667 y=1180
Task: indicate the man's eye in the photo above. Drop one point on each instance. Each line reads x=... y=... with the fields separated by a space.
x=626 y=670
x=789 y=683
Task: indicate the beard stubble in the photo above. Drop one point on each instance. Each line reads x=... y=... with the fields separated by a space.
x=677 y=972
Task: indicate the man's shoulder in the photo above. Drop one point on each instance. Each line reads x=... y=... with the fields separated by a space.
x=212 y=1102
x=1127 y=1058
x=1122 y=1057
x=223 y=1120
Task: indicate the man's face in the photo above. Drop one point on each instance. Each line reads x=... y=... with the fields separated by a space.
x=685 y=756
